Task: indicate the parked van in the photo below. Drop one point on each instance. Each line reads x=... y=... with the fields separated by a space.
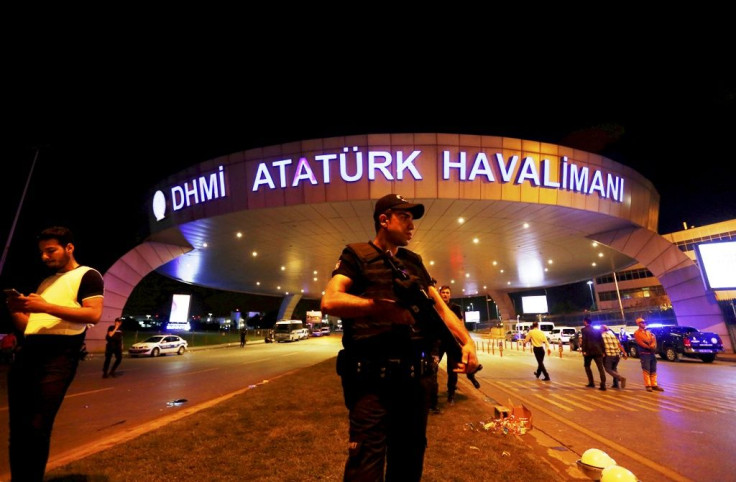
x=525 y=326
x=562 y=334
x=289 y=330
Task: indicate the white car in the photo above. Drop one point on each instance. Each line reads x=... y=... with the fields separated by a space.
x=159 y=345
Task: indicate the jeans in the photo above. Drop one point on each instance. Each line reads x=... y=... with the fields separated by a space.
x=611 y=364
x=43 y=369
x=648 y=362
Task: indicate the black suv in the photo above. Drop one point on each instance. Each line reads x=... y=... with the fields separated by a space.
x=674 y=342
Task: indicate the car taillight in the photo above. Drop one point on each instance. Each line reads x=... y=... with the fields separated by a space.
x=686 y=340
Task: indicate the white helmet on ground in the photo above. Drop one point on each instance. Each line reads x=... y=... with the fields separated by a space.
x=597 y=458
x=616 y=473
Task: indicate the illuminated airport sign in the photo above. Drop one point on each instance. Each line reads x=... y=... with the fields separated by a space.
x=353 y=165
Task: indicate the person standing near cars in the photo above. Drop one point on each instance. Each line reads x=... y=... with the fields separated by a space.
x=114 y=347
x=54 y=322
x=539 y=343
x=446 y=294
x=612 y=355
x=647 y=345
x=386 y=356
x=593 y=350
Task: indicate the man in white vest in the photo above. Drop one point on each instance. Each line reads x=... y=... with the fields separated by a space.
x=53 y=322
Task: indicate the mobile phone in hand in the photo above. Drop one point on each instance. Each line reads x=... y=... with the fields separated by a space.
x=11 y=292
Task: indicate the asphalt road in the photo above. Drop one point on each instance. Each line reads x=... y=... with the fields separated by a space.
x=684 y=433
x=149 y=392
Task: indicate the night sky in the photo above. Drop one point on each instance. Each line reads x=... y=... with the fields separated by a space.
x=101 y=149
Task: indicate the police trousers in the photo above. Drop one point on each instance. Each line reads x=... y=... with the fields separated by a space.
x=388 y=422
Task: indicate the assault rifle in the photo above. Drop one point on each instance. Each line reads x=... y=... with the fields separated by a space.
x=414 y=298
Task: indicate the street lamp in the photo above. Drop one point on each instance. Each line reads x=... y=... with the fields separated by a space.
x=592 y=297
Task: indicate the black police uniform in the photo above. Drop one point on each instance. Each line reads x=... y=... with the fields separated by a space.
x=383 y=368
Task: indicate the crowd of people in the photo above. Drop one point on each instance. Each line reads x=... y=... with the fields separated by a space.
x=603 y=347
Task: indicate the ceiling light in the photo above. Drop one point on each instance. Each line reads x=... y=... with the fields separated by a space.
x=593 y=263
x=460 y=220
x=526 y=225
x=239 y=235
x=254 y=253
x=204 y=245
x=476 y=240
x=283 y=268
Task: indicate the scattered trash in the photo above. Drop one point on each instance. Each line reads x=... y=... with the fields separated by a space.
x=252 y=386
x=177 y=402
x=505 y=454
x=472 y=447
x=506 y=425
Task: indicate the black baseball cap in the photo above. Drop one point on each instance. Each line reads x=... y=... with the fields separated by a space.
x=396 y=201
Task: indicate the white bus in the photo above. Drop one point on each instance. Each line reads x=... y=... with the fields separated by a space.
x=289 y=330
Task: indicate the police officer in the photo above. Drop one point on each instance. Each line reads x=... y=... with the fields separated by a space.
x=386 y=354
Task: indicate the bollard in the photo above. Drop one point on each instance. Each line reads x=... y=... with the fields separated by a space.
x=500 y=349
x=561 y=348
x=493 y=347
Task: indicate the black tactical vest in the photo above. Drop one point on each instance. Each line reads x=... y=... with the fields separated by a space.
x=379 y=337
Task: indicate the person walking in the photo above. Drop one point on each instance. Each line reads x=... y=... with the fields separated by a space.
x=612 y=355
x=647 y=345
x=446 y=294
x=386 y=355
x=539 y=343
x=243 y=332
x=592 y=346
x=54 y=322
x=113 y=347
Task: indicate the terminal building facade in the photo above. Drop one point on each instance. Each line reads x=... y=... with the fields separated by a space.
x=502 y=215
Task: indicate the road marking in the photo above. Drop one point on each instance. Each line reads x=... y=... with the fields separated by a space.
x=567 y=400
x=5 y=407
x=112 y=440
x=563 y=407
x=629 y=453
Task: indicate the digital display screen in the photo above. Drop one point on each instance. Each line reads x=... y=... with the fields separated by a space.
x=179 y=309
x=534 y=304
x=472 y=317
x=717 y=262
